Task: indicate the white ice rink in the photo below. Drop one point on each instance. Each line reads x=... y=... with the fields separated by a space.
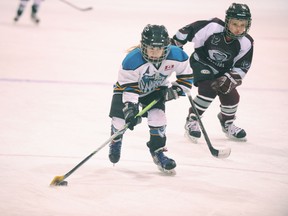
x=55 y=92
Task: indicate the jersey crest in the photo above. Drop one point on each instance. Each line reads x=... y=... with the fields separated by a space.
x=149 y=83
x=218 y=58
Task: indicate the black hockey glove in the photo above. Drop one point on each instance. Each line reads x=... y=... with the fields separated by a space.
x=130 y=110
x=173 y=93
x=226 y=83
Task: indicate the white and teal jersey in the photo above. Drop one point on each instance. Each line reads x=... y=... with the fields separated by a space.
x=137 y=77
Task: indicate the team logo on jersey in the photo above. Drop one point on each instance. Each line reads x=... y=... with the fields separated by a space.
x=245 y=65
x=215 y=40
x=150 y=82
x=168 y=67
x=218 y=58
x=218 y=55
x=205 y=71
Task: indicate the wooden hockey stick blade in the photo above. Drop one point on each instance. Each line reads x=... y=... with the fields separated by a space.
x=86 y=9
x=57 y=180
x=75 y=6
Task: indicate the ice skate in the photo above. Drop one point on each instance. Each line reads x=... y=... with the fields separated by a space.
x=192 y=130
x=115 y=151
x=19 y=13
x=16 y=18
x=34 y=10
x=164 y=164
x=34 y=18
x=231 y=131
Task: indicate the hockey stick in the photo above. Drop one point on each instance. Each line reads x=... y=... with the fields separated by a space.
x=75 y=6
x=221 y=153
x=59 y=179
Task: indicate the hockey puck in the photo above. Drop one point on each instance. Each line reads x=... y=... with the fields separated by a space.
x=62 y=183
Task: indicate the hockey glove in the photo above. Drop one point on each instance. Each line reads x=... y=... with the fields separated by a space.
x=226 y=83
x=130 y=110
x=173 y=92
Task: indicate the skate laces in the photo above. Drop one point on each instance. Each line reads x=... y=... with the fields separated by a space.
x=232 y=129
x=192 y=124
x=115 y=147
x=163 y=162
x=160 y=157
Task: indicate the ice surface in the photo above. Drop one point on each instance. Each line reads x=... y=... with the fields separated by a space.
x=55 y=88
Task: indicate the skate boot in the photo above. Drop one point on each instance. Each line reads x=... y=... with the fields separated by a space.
x=34 y=18
x=16 y=18
x=192 y=130
x=115 y=150
x=19 y=13
x=231 y=131
x=34 y=11
x=165 y=164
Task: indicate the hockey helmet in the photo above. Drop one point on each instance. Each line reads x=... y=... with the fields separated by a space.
x=154 y=36
x=237 y=11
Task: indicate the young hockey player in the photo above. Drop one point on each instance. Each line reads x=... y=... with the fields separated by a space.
x=34 y=10
x=222 y=57
x=142 y=78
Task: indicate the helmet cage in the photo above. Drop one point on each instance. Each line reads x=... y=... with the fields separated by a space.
x=153 y=60
x=240 y=12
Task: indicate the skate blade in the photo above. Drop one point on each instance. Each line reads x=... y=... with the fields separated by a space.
x=191 y=139
x=244 y=139
x=171 y=172
x=35 y=20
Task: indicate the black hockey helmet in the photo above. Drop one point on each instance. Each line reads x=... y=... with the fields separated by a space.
x=154 y=36
x=237 y=11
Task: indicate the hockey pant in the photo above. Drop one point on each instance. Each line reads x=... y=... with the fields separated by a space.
x=206 y=95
